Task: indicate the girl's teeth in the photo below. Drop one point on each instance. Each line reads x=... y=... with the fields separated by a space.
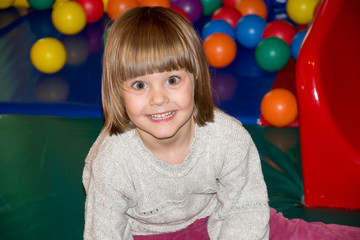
x=161 y=116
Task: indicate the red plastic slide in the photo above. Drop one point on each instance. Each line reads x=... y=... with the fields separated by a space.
x=328 y=91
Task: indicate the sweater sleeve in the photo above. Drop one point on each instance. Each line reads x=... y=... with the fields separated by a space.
x=105 y=205
x=242 y=211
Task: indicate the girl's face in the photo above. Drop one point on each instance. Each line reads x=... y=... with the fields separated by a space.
x=161 y=105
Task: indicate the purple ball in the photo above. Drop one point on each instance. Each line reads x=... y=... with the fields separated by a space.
x=193 y=8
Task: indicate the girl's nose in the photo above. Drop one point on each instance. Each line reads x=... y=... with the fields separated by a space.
x=158 y=96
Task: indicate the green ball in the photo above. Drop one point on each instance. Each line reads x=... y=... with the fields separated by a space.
x=41 y=4
x=272 y=54
x=209 y=6
x=104 y=37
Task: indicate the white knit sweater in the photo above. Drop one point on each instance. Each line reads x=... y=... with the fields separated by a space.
x=131 y=192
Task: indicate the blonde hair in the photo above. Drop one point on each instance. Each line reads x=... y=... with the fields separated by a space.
x=148 y=40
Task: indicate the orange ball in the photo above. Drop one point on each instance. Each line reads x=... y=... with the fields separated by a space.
x=247 y=7
x=279 y=107
x=220 y=49
x=154 y=3
x=116 y=7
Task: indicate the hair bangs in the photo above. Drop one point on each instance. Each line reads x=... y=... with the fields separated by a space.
x=155 y=47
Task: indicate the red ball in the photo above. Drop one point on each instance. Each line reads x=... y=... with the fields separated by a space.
x=230 y=3
x=229 y=14
x=181 y=12
x=220 y=49
x=281 y=29
x=94 y=9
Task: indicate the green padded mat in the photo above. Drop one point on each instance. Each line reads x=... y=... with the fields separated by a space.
x=41 y=161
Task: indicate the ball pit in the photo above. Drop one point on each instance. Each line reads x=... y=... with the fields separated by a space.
x=48 y=55
x=68 y=17
x=249 y=30
x=220 y=50
x=279 y=107
x=272 y=54
x=223 y=25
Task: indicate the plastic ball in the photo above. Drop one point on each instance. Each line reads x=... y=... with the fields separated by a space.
x=279 y=107
x=52 y=88
x=296 y=43
x=220 y=50
x=209 y=6
x=193 y=8
x=181 y=12
x=6 y=3
x=230 y=3
x=257 y=7
x=77 y=49
x=116 y=7
x=94 y=9
x=41 y=4
x=272 y=54
x=217 y=26
x=105 y=35
x=48 y=55
x=153 y=3
x=21 y=3
x=105 y=3
x=229 y=14
x=281 y=29
x=68 y=17
x=249 y=30
x=301 y=11
x=224 y=85
x=94 y=33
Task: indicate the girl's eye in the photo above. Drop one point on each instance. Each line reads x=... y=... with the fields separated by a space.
x=139 y=85
x=172 y=80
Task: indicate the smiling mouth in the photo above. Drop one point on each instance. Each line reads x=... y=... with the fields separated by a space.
x=161 y=116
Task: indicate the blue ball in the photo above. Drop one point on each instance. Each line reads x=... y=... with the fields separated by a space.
x=249 y=30
x=296 y=43
x=217 y=26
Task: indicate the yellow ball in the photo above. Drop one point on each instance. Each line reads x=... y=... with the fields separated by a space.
x=21 y=3
x=105 y=2
x=68 y=17
x=6 y=3
x=48 y=55
x=301 y=11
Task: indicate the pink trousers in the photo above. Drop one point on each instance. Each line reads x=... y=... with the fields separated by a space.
x=280 y=228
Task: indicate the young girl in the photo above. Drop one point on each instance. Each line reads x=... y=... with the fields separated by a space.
x=168 y=164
